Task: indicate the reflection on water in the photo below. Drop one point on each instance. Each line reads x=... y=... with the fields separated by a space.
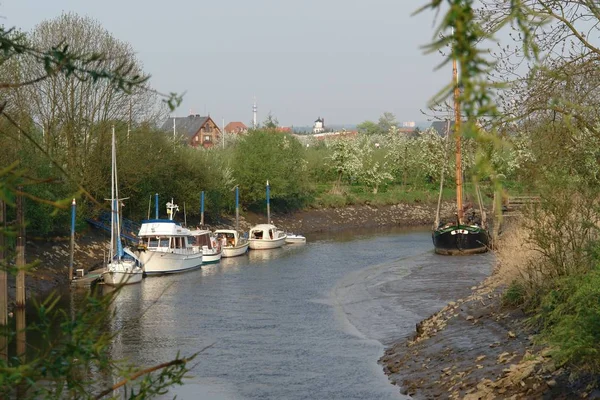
x=298 y=322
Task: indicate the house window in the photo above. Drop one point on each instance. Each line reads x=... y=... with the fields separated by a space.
x=196 y=138
x=207 y=138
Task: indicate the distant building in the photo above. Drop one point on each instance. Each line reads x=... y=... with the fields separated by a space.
x=284 y=129
x=236 y=128
x=409 y=124
x=319 y=125
x=196 y=130
x=335 y=135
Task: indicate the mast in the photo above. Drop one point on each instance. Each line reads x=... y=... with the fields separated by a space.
x=237 y=207
x=268 y=204
x=457 y=137
x=119 y=245
x=112 y=198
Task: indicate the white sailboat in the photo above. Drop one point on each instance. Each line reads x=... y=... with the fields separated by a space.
x=123 y=267
x=234 y=244
x=266 y=236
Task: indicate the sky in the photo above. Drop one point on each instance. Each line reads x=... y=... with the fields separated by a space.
x=344 y=60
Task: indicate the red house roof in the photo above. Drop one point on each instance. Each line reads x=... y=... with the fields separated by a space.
x=236 y=127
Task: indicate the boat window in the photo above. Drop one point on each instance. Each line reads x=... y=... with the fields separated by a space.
x=230 y=239
x=191 y=241
x=257 y=235
x=203 y=240
x=164 y=242
x=153 y=242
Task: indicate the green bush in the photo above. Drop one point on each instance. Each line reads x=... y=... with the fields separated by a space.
x=514 y=296
x=570 y=316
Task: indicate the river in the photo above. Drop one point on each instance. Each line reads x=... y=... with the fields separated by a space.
x=301 y=322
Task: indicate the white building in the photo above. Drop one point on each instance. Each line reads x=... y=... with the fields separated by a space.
x=319 y=125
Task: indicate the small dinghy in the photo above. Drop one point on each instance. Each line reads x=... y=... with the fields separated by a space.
x=293 y=238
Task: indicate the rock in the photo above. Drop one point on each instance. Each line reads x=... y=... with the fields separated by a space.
x=551 y=383
x=503 y=358
x=480 y=358
x=511 y=335
x=469 y=318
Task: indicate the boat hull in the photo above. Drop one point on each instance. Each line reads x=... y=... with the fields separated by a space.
x=460 y=240
x=122 y=272
x=235 y=251
x=211 y=258
x=158 y=262
x=295 y=239
x=264 y=244
x=115 y=278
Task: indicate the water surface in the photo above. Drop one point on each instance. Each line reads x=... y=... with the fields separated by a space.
x=301 y=322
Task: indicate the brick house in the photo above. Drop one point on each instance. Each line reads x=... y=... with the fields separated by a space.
x=236 y=127
x=196 y=130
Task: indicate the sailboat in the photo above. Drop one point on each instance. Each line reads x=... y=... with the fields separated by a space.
x=266 y=236
x=123 y=266
x=232 y=243
x=464 y=235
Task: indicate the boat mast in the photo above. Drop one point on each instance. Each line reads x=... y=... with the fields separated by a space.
x=457 y=136
x=112 y=198
x=237 y=207
x=268 y=204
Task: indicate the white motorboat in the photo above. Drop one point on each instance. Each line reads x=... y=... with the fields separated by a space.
x=210 y=247
x=293 y=238
x=166 y=247
x=266 y=236
x=232 y=243
x=123 y=266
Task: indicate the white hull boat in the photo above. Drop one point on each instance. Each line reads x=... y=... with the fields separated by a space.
x=208 y=245
x=211 y=257
x=166 y=247
x=292 y=239
x=122 y=272
x=164 y=262
x=232 y=244
x=266 y=236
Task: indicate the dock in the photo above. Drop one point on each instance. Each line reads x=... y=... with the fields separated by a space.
x=88 y=279
x=515 y=205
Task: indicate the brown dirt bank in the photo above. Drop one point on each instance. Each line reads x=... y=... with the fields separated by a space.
x=335 y=219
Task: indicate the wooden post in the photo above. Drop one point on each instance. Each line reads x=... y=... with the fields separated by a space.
x=202 y=208
x=20 y=251
x=73 y=206
x=237 y=208
x=21 y=336
x=3 y=285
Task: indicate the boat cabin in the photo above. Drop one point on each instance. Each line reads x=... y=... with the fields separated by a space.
x=164 y=235
x=264 y=232
x=203 y=239
x=227 y=238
